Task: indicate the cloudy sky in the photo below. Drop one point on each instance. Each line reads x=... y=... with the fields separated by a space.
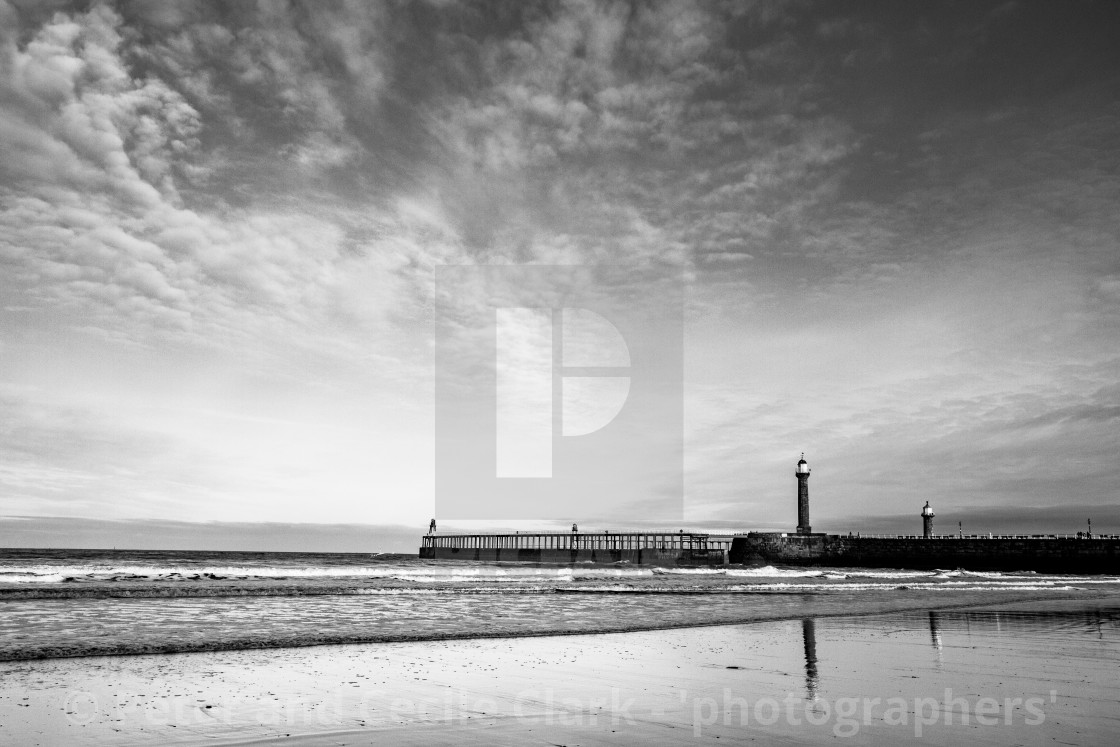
x=219 y=223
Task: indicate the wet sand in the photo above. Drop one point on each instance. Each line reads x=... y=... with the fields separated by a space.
x=1018 y=673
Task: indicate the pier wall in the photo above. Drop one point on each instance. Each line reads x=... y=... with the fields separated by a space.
x=1041 y=554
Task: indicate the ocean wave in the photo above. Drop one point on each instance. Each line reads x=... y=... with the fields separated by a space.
x=770 y=571
x=763 y=571
x=156 y=591
x=419 y=573
x=920 y=586
x=118 y=627
x=29 y=578
x=690 y=571
x=889 y=573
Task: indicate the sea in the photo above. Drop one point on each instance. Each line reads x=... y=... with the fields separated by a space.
x=71 y=603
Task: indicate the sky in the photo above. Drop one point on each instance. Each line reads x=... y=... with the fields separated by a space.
x=896 y=225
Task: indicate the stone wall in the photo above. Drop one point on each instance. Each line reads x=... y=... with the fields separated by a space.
x=1044 y=555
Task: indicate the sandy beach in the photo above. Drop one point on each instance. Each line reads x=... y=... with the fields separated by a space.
x=1023 y=673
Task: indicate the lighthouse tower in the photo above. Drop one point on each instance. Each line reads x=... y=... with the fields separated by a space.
x=803 y=496
x=927 y=521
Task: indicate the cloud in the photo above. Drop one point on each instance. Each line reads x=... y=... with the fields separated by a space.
x=641 y=127
x=97 y=155
x=898 y=230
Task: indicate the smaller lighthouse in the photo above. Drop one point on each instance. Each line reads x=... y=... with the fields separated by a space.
x=927 y=521
x=803 y=496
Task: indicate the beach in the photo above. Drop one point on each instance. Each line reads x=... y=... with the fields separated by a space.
x=1021 y=672
x=564 y=372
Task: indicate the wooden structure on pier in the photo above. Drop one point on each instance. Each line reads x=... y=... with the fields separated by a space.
x=648 y=548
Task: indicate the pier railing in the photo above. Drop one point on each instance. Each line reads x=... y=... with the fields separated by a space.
x=663 y=541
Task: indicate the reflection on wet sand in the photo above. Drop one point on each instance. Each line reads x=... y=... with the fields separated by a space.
x=809 y=635
x=1094 y=621
x=935 y=634
x=1061 y=660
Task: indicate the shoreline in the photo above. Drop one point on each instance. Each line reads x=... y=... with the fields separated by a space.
x=873 y=607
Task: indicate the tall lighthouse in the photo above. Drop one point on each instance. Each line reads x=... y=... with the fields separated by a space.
x=927 y=521
x=803 y=496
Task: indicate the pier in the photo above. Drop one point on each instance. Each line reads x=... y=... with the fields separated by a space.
x=1082 y=553
x=649 y=548
x=1042 y=553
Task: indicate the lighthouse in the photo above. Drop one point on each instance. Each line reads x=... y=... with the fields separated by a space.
x=803 y=496
x=927 y=521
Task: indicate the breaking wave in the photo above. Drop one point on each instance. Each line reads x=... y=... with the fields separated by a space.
x=80 y=603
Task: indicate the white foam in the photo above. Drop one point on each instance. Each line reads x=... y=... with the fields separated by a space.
x=770 y=571
x=890 y=574
x=31 y=578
